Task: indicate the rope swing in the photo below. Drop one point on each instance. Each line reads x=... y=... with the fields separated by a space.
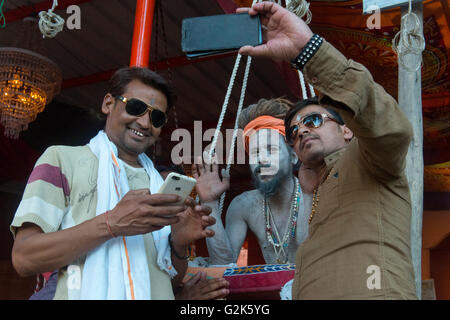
x=300 y=8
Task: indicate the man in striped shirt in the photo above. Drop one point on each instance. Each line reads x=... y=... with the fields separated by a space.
x=56 y=225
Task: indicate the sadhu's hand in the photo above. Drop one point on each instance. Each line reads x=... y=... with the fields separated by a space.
x=210 y=185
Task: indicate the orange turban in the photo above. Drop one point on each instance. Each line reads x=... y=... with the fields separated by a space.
x=262 y=122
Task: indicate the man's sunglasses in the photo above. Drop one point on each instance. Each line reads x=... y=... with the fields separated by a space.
x=313 y=120
x=137 y=108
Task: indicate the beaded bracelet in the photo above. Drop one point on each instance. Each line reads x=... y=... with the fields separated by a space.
x=173 y=249
x=307 y=52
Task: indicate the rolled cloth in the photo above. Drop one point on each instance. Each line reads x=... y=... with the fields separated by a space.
x=262 y=122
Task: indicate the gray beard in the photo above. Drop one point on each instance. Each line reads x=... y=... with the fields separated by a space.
x=270 y=187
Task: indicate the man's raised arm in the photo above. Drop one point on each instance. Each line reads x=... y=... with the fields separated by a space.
x=382 y=129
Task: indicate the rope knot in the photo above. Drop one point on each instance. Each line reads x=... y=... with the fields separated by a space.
x=409 y=40
x=50 y=24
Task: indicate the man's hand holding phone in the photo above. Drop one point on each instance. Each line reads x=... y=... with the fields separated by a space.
x=284 y=33
x=194 y=220
x=140 y=212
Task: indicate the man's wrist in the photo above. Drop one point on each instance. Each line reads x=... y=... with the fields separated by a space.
x=108 y=226
x=308 y=51
x=102 y=227
x=179 y=251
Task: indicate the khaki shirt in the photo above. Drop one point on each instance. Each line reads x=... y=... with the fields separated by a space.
x=359 y=239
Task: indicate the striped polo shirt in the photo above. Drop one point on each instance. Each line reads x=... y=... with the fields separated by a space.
x=61 y=192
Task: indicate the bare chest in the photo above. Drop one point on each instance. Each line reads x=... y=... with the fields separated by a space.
x=278 y=233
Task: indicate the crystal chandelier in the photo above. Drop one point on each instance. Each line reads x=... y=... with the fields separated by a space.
x=28 y=82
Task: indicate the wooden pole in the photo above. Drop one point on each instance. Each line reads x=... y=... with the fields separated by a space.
x=410 y=101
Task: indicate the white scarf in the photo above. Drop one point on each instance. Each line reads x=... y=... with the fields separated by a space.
x=118 y=269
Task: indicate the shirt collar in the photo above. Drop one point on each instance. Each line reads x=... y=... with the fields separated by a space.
x=332 y=158
x=330 y=161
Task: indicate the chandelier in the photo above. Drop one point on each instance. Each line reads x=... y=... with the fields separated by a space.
x=28 y=82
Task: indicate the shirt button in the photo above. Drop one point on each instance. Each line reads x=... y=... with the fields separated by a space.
x=314 y=80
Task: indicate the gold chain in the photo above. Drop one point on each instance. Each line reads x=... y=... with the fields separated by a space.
x=315 y=201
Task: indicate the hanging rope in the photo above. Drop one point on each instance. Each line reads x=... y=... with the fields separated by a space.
x=235 y=131
x=241 y=103
x=300 y=8
x=311 y=89
x=227 y=98
x=409 y=40
x=50 y=24
x=224 y=107
x=222 y=116
x=302 y=84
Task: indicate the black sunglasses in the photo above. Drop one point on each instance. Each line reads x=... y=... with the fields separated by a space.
x=138 y=108
x=313 y=120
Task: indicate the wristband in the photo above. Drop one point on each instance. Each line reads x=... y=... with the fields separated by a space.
x=173 y=249
x=307 y=52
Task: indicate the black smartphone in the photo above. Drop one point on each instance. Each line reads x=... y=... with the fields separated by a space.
x=202 y=36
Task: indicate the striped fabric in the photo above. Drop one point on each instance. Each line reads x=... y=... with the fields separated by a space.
x=46 y=195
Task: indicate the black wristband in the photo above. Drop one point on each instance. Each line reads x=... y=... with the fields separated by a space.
x=307 y=52
x=173 y=249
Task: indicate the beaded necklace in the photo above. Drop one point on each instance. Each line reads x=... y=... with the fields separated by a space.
x=315 y=201
x=280 y=246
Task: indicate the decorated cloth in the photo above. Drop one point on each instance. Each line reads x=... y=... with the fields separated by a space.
x=62 y=192
x=262 y=122
x=259 y=278
x=259 y=281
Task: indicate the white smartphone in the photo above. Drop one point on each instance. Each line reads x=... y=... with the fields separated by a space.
x=178 y=184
